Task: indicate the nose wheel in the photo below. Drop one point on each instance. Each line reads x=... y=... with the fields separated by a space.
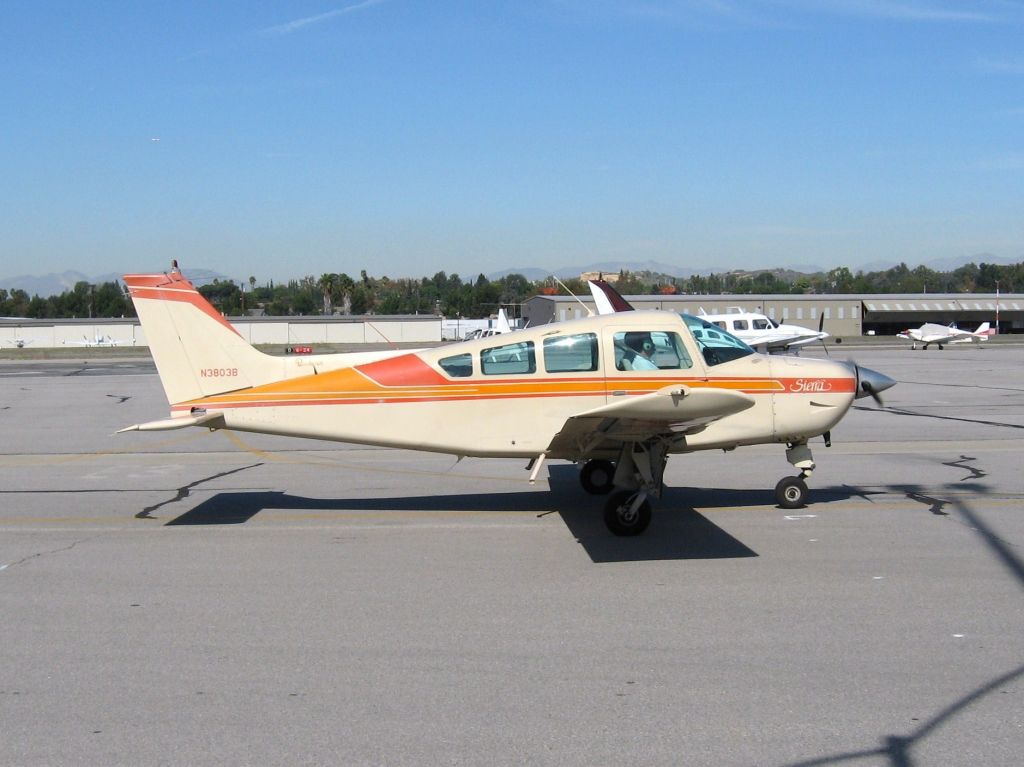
x=791 y=492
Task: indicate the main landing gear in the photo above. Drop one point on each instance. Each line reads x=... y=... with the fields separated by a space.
x=636 y=476
x=791 y=492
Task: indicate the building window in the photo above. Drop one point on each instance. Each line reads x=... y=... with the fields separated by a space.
x=842 y=313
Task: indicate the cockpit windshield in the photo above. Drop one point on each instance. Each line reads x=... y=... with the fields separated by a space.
x=715 y=344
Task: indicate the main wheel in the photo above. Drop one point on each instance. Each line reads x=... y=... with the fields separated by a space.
x=596 y=476
x=621 y=518
x=791 y=492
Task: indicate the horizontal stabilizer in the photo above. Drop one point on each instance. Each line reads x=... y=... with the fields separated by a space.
x=168 y=424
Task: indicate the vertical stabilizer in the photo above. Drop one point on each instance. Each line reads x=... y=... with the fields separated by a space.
x=197 y=352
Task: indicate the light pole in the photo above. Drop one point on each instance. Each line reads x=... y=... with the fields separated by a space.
x=997 y=307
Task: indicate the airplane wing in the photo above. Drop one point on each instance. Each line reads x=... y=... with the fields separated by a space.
x=671 y=412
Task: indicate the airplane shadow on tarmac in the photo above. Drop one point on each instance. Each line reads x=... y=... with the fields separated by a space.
x=677 y=530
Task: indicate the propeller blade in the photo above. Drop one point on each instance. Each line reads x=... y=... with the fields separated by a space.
x=821 y=329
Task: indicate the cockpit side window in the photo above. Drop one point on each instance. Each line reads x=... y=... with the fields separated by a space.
x=457 y=366
x=510 y=359
x=739 y=324
x=761 y=325
x=571 y=354
x=715 y=344
x=650 y=350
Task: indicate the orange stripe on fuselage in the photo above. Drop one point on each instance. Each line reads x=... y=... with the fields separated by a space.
x=385 y=382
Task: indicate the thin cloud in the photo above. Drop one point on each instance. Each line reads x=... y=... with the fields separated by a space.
x=909 y=10
x=1009 y=66
x=296 y=25
x=1008 y=161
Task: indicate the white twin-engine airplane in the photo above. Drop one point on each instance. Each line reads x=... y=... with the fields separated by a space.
x=933 y=333
x=617 y=393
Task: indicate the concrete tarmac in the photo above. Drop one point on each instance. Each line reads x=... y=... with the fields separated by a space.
x=193 y=597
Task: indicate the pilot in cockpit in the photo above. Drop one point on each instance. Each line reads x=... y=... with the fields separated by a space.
x=643 y=346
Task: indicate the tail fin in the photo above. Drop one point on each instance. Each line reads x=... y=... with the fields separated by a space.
x=502 y=325
x=197 y=352
x=607 y=299
x=984 y=329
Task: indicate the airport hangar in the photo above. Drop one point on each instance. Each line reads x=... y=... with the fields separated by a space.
x=845 y=314
x=402 y=330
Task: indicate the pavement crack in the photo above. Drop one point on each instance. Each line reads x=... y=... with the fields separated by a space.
x=184 y=491
x=39 y=554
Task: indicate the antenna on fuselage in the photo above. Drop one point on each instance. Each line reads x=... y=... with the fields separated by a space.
x=590 y=312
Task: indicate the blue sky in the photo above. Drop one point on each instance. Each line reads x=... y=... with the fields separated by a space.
x=405 y=137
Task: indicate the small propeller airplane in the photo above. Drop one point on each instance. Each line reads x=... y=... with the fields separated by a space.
x=616 y=393
x=933 y=333
x=501 y=325
x=17 y=342
x=756 y=330
x=97 y=340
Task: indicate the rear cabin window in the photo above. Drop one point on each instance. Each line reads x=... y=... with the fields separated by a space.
x=510 y=359
x=739 y=325
x=458 y=366
x=650 y=350
x=571 y=354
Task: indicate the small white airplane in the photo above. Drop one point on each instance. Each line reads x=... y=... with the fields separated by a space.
x=755 y=329
x=17 y=342
x=96 y=340
x=501 y=326
x=933 y=333
x=574 y=390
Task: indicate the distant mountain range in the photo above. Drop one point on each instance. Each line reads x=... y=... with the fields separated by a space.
x=54 y=284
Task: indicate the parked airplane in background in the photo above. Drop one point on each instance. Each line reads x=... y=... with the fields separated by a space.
x=756 y=330
x=933 y=333
x=18 y=342
x=97 y=340
x=618 y=393
x=501 y=326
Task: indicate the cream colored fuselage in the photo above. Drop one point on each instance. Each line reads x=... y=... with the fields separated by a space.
x=411 y=400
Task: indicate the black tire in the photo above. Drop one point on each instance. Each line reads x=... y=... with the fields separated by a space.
x=596 y=476
x=618 y=519
x=791 y=493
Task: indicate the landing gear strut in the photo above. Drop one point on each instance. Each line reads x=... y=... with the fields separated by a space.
x=639 y=474
x=791 y=492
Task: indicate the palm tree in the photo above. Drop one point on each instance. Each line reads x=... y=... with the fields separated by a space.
x=327 y=284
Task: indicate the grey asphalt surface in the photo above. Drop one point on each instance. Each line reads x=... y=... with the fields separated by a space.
x=194 y=597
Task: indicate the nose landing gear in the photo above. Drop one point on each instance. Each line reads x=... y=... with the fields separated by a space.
x=791 y=492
